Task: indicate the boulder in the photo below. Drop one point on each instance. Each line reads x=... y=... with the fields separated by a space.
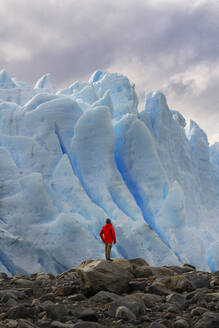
x=48 y=297
x=213 y=296
x=25 y=324
x=189 y=267
x=181 y=323
x=3 y=275
x=100 y=275
x=76 y=298
x=43 y=276
x=23 y=282
x=143 y=272
x=66 y=290
x=138 y=284
x=209 y=320
x=160 y=272
x=20 y=311
x=88 y=315
x=133 y=303
x=12 y=323
x=199 y=279
x=149 y=300
x=56 y=311
x=197 y=311
x=176 y=298
x=184 y=285
x=105 y=297
x=87 y=324
x=157 y=325
x=58 y=324
x=124 y=313
x=214 y=282
x=158 y=289
x=137 y=263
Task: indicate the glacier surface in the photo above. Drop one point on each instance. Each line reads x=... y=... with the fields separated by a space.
x=72 y=157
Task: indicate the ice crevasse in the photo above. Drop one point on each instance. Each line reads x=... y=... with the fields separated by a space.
x=71 y=158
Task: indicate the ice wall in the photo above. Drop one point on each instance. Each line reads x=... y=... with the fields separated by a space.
x=71 y=158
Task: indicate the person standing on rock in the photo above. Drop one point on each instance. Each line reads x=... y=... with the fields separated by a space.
x=108 y=236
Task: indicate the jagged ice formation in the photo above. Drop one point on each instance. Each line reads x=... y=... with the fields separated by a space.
x=71 y=158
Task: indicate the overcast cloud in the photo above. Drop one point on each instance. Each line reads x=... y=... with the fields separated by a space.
x=163 y=45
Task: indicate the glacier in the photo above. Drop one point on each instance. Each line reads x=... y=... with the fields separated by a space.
x=73 y=157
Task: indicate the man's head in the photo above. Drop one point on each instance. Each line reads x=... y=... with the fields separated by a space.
x=108 y=221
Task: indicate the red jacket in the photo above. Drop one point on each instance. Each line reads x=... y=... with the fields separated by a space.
x=107 y=234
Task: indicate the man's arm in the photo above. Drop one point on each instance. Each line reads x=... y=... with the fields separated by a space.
x=102 y=235
x=113 y=235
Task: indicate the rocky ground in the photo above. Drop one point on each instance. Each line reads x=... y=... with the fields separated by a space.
x=119 y=294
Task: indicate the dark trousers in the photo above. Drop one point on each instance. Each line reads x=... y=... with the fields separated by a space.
x=108 y=250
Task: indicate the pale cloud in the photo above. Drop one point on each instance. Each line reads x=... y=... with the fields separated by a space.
x=12 y=52
x=215 y=138
x=160 y=45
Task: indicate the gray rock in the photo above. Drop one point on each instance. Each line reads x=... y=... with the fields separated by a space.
x=20 y=311
x=176 y=269
x=160 y=272
x=158 y=289
x=44 y=323
x=138 y=262
x=149 y=300
x=76 y=298
x=197 y=311
x=66 y=290
x=87 y=325
x=213 y=296
x=215 y=274
x=23 y=282
x=176 y=298
x=69 y=275
x=105 y=275
x=3 y=275
x=19 y=276
x=58 y=324
x=8 y=296
x=42 y=276
x=11 y=302
x=12 y=323
x=209 y=320
x=173 y=308
x=138 y=284
x=44 y=305
x=143 y=272
x=48 y=297
x=145 y=318
x=214 y=283
x=56 y=311
x=181 y=323
x=105 y=297
x=184 y=285
x=5 y=295
x=157 y=325
x=189 y=267
x=124 y=313
x=200 y=279
x=134 y=305
x=88 y=315
x=25 y=324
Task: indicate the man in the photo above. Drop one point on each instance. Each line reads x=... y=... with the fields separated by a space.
x=108 y=236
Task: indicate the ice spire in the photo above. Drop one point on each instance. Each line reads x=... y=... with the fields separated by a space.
x=5 y=81
x=45 y=83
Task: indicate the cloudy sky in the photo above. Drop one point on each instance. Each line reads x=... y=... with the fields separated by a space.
x=167 y=45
